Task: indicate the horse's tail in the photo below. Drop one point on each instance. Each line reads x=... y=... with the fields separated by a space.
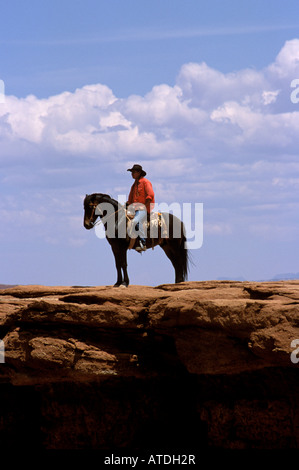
x=176 y=247
x=184 y=255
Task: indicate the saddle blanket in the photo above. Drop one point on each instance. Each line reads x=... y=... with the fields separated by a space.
x=155 y=227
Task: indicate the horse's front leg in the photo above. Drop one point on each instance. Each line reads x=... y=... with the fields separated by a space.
x=116 y=253
x=124 y=264
x=119 y=276
x=120 y=256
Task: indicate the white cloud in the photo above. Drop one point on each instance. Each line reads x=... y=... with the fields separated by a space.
x=269 y=97
x=287 y=61
x=208 y=88
x=221 y=139
x=205 y=110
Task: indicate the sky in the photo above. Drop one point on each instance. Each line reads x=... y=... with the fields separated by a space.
x=203 y=94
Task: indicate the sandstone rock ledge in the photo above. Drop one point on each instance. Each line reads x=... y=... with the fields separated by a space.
x=197 y=364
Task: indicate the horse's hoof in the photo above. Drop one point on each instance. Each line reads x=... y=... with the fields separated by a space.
x=123 y=285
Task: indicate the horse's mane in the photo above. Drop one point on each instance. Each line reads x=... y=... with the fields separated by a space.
x=96 y=196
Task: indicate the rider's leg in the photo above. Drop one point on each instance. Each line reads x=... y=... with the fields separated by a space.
x=140 y=217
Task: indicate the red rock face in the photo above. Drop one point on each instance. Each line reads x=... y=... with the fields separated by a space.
x=198 y=365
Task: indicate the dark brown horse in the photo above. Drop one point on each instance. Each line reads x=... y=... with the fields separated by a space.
x=113 y=216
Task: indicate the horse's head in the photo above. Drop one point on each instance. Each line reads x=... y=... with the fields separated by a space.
x=91 y=213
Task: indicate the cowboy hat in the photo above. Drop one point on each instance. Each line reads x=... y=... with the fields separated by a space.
x=137 y=168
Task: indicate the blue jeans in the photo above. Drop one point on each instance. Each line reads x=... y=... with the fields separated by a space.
x=140 y=217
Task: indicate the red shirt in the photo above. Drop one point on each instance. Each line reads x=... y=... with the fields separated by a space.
x=142 y=192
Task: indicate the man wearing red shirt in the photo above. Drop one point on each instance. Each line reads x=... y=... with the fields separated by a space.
x=142 y=198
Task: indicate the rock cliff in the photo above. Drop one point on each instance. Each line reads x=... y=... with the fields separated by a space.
x=191 y=365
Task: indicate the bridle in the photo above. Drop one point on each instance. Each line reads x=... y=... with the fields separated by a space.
x=94 y=205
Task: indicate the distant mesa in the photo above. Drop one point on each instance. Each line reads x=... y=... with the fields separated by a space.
x=277 y=277
x=286 y=277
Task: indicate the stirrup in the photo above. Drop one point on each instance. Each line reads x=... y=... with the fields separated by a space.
x=141 y=247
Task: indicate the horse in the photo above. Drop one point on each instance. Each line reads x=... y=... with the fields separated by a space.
x=114 y=217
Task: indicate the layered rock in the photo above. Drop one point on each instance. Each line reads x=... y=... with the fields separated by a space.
x=198 y=364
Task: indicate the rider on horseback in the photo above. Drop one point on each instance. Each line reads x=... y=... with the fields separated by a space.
x=142 y=198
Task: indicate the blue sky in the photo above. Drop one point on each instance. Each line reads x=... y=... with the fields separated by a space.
x=49 y=47
x=198 y=92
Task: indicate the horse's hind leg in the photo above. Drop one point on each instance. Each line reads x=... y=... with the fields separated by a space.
x=172 y=255
x=124 y=266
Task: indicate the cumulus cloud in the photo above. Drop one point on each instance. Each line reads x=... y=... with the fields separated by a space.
x=93 y=121
x=227 y=140
x=286 y=63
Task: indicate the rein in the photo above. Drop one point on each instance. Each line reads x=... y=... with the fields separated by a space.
x=92 y=213
x=94 y=206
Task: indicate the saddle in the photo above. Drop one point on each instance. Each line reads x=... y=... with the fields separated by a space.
x=155 y=228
